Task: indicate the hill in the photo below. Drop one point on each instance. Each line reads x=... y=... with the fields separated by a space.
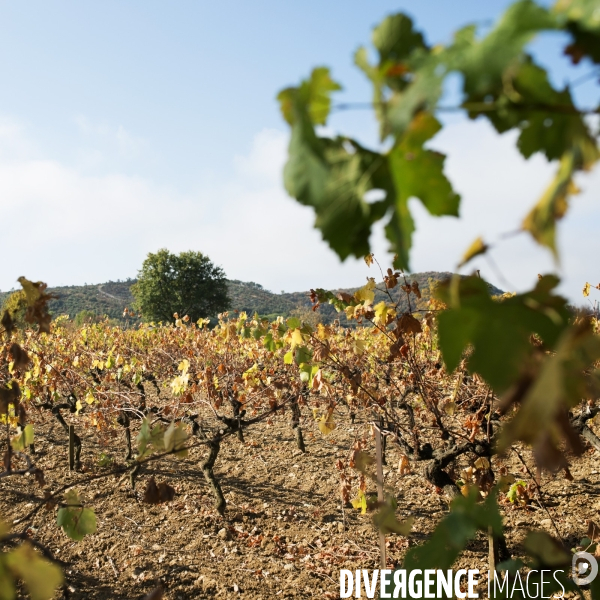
x=112 y=297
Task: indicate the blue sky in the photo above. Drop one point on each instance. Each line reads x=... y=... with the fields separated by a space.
x=129 y=126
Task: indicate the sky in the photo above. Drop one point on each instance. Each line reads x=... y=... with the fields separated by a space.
x=126 y=127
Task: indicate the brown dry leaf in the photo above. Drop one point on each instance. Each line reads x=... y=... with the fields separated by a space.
x=9 y=395
x=391 y=279
x=408 y=324
x=39 y=477
x=157 y=494
x=20 y=357
x=415 y=289
x=7 y=323
x=394 y=351
x=404 y=465
x=317 y=383
x=345 y=297
x=22 y=414
x=37 y=303
x=593 y=532
x=321 y=352
x=156 y=594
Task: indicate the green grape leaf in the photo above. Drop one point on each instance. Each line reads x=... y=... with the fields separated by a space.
x=7 y=584
x=24 y=439
x=293 y=323
x=477 y=248
x=395 y=38
x=385 y=520
x=582 y=20
x=174 y=438
x=483 y=62
x=314 y=93
x=302 y=354
x=546 y=549
x=76 y=521
x=498 y=330
x=407 y=67
x=422 y=95
x=418 y=172
x=269 y=342
x=562 y=382
x=150 y=439
x=308 y=372
x=513 y=491
x=41 y=577
x=288 y=358
x=541 y=220
x=548 y=131
x=450 y=537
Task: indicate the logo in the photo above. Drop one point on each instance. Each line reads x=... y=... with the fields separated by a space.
x=585 y=568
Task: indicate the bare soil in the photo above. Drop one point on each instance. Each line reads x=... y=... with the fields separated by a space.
x=285 y=533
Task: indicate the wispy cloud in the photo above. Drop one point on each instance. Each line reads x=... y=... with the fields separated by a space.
x=66 y=226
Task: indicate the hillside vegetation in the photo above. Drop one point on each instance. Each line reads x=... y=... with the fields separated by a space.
x=111 y=298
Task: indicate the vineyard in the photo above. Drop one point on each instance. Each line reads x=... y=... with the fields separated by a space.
x=412 y=430
x=243 y=459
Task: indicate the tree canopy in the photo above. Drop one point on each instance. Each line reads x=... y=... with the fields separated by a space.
x=186 y=284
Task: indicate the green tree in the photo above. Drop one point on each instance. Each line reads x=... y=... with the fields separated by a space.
x=187 y=284
x=86 y=316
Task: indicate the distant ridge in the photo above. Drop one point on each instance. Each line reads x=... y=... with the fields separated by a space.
x=111 y=299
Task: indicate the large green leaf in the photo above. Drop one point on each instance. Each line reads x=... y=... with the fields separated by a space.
x=41 y=577
x=76 y=521
x=396 y=39
x=484 y=62
x=561 y=384
x=418 y=172
x=498 y=331
x=582 y=19
x=314 y=93
x=467 y=516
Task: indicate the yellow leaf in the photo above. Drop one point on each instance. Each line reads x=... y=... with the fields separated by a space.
x=482 y=463
x=552 y=206
x=450 y=408
x=326 y=424
x=505 y=482
x=382 y=312
x=475 y=249
x=296 y=338
x=174 y=438
x=359 y=347
x=369 y=259
x=322 y=331
x=89 y=398
x=365 y=293
x=360 y=502
x=586 y=290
